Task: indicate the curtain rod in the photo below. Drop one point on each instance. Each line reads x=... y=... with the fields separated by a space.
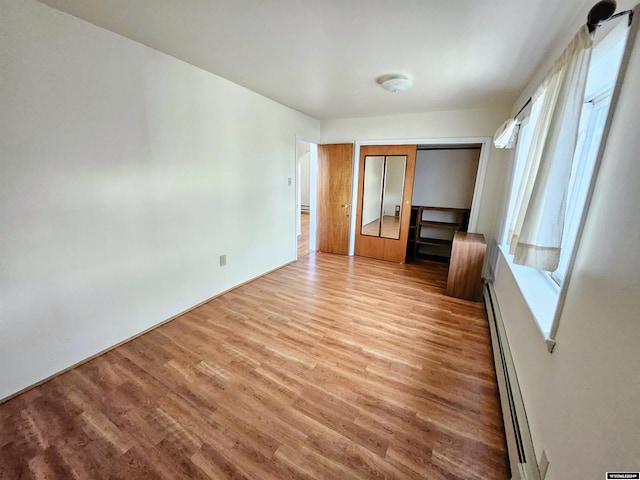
x=515 y=117
x=592 y=27
x=599 y=23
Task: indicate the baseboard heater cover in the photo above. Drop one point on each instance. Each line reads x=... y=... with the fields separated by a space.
x=522 y=457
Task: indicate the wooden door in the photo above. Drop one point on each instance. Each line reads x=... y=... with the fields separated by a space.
x=335 y=176
x=376 y=246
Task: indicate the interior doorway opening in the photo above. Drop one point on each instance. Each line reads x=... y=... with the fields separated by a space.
x=306 y=209
x=443 y=192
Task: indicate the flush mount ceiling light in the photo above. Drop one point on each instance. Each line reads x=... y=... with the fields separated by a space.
x=395 y=83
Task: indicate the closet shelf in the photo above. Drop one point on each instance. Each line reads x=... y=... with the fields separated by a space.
x=433 y=223
x=433 y=241
x=440 y=225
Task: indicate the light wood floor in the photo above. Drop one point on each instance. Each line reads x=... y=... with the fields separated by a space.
x=303 y=238
x=329 y=368
x=390 y=227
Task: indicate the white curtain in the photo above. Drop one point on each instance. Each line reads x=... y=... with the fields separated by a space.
x=505 y=136
x=536 y=230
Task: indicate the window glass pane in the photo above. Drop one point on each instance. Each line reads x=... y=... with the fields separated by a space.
x=592 y=124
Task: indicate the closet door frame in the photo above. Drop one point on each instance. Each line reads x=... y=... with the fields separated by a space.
x=485 y=143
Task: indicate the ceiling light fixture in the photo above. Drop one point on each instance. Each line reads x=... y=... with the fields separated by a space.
x=395 y=83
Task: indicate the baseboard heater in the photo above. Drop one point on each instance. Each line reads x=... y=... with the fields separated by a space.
x=522 y=457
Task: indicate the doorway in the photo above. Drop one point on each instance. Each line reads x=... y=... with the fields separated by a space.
x=443 y=193
x=306 y=175
x=335 y=172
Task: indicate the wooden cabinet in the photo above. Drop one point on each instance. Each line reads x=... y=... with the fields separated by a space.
x=432 y=229
x=465 y=269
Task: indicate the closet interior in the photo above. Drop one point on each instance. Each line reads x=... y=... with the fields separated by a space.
x=443 y=189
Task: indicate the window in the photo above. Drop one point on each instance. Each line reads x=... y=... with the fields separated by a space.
x=594 y=116
x=541 y=289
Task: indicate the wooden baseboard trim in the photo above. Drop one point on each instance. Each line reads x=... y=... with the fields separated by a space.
x=88 y=359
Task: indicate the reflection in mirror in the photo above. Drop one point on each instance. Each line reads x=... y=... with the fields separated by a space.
x=392 y=196
x=382 y=195
x=371 y=195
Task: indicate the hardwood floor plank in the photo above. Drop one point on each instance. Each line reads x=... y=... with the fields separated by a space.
x=79 y=468
x=331 y=367
x=312 y=464
x=43 y=469
x=216 y=466
x=247 y=433
x=177 y=464
x=303 y=238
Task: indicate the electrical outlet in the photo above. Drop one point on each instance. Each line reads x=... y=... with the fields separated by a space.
x=223 y=260
x=544 y=465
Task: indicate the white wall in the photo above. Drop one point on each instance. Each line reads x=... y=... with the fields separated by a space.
x=582 y=400
x=479 y=122
x=303 y=149
x=125 y=173
x=445 y=178
x=305 y=198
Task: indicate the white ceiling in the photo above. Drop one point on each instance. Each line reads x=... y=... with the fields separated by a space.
x=322 y=57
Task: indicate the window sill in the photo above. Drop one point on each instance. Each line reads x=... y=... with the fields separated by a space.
x=539 y=291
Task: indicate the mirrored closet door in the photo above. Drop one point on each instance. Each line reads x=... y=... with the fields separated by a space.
x=384 y=201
